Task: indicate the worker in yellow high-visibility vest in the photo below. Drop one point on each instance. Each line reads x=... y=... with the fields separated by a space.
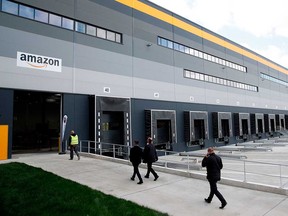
x=73 y=143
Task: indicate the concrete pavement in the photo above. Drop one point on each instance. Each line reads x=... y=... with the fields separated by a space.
x=174 y=194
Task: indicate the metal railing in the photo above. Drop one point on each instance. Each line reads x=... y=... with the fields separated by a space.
x=239 y=169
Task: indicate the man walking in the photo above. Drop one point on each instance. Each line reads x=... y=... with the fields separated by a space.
x=73 y=143
x=213 y=164
x=150 y=156
x=136 y=158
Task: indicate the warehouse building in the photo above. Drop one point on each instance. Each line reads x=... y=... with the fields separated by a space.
x=127 y=69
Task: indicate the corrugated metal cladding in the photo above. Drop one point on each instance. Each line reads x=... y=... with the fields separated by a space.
x=154 y=61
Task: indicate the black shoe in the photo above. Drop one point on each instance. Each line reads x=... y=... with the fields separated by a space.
x=223 y=205
x=78 y=157
x=140 y=182
x=146 y=176
x=132 y=178
x=70 y=159
x=207 y=200
x=156 y=178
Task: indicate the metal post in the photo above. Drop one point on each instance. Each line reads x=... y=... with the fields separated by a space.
x=100 y=146
x=188 y=167
x=245 y=180
x=113 y=151
x=280 y=166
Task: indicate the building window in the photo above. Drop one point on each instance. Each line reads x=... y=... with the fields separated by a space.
x=193 y=52
x=67 y=23
x=217 y=80
x=110 y=36
x=54 y=20
x=101 y=33
x=80 y=27
x=273 y=79
x=26 y=12
x=59 y=21
x=10 y=7
x=41 y=16
x=91 y=30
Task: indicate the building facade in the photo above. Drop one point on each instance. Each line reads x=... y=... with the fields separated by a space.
x=127 y=69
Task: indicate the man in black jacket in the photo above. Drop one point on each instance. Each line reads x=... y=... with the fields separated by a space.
x=150 y=156
x=135 y=158
x=213 y=164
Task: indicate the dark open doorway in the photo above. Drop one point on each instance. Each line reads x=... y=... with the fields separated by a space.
x=113 y=127
x=164 y=134
x=36 y=123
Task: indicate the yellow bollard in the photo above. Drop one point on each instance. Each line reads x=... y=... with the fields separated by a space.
x=3 y=142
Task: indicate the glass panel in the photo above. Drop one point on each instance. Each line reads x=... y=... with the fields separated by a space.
x=10 y=7
x=80 y=27
x=200 y=54
x=67 y=23
x=54 y=20
x=181 y=47
x=91 y=30
x=170 y=44
x=176 y=46
x=118 y=38
x=25 y=11
x=110 y=36
x=163 y=42
x=101 y=33
x=41 y=16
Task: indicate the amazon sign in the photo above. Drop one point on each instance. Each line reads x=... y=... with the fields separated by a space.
x=38 y=62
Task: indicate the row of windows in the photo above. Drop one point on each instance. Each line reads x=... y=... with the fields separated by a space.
x=220 y=81
x=190 y=51
x=56 y=20
x=273 y=79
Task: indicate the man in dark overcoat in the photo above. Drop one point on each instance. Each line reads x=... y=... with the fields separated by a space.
x=213 y=164
x=136 y=154
x=150 y=156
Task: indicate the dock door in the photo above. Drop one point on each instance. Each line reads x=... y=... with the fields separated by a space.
x=257 y=124
x=161 y=126
x=113 y=124
x=195 y=127
x=242 y=129
x=222 y=126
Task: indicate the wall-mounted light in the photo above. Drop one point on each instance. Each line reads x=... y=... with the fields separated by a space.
x=149 y=44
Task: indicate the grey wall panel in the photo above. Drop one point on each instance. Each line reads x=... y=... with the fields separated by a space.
x=13 y=40
x=153 y=71
x=88 y=58
x=76 y=107
x=24 y=78
x=195 y=42
x=214 y=49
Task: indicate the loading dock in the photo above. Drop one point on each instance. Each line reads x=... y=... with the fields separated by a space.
x=113 y=122
x=161 y=126
x=242 y=126
x=222 y=126
x=280 y=122
x=195 y=127
x=269 y=123
x=257 y=124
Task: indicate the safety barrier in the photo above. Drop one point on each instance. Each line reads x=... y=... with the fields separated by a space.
x=238 y=169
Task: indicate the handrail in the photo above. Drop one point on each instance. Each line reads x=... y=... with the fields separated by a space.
x=234 y=168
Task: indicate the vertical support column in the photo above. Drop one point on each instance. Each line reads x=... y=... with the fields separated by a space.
x=3 y=142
